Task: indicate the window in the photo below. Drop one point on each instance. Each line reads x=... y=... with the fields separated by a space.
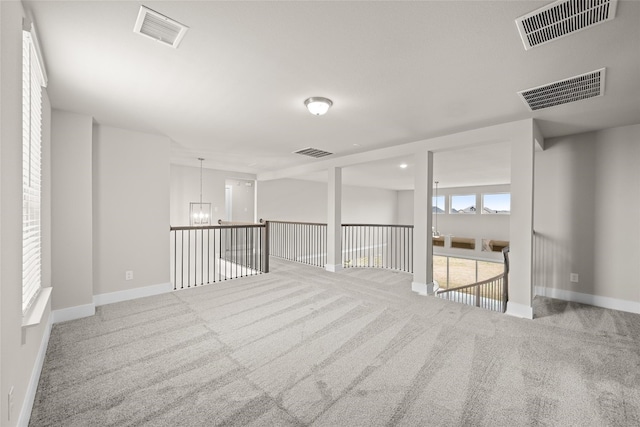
x=497 y=203
x=32 y=82
x=437 y=204
x=463 y=204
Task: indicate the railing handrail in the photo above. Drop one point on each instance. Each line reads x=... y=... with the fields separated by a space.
x=378 y=225
x=503 y=275
x=213 y=227
x=464 y=256
x=343 y=225
x=222 y=222
x=262 y=221
x=483 y=282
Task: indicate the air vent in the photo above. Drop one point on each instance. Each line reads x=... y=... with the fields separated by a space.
x=159 y=27
x=312 y=152
x=584 y=86
x=562 y=18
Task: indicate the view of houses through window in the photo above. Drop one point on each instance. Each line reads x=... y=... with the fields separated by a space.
x=499 y=203
x=463 y=204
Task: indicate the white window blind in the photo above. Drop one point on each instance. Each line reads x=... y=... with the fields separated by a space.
x=32 y=82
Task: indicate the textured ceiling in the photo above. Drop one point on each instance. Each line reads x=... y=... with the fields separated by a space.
x=396 y=71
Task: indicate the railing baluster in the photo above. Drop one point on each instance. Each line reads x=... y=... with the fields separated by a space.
x=215 y=258
x=175 y=259
x=189 y=260
x=234 y=250
x=362 y=245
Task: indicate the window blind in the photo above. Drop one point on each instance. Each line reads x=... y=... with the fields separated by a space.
x=31 y=171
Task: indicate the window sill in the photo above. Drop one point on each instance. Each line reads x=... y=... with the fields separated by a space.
x=33 y=316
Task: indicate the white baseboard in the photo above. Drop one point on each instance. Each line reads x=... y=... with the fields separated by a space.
x=596 y=300
x=32 y=387
x=519 y=310
x=334 y=268
x=72 y=313
x=129 y=294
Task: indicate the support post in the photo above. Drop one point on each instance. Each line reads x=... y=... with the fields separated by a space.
x=523 y=145
x=334 y=220
x=422 y=222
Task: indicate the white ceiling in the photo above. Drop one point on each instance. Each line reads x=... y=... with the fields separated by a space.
x=396 y=71
x=481 y=165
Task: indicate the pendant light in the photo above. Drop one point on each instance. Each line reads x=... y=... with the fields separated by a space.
x=199 y=212
x=434 y=230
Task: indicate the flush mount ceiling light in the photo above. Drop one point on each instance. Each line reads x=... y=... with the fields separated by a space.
x=318 y=105
x=404 y=165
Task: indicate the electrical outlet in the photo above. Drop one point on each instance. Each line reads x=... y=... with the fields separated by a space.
x=128 y=275
x=573 y=277
x=10 y=403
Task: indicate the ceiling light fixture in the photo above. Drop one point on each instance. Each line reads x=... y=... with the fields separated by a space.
x=318 y=105
x=200 y=213
x=404 y=166
x=434 y=230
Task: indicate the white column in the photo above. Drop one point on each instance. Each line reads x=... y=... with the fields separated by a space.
x=334 y=220
x=422 y=219
x=520 y=302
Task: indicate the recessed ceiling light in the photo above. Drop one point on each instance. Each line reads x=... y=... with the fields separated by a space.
x=318 y=105
x=404 y=165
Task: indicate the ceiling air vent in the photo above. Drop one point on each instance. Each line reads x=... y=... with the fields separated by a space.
x=561 y=18
x=584 y=86
x=312 y=152
x=159 y=27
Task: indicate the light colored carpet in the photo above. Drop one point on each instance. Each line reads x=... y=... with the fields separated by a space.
x=301 y=346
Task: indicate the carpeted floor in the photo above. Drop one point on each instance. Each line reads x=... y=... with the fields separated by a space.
x=301 y=346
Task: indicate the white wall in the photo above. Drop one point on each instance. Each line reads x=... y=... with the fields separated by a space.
x=242 y=199
x=477 y=226
x=292 y=200
x=306 y=201
x=18 y=347
x=130 y=210
x=405 y=207
x=587 y=214
x=185 y=188
x=364 y=205
x=72 y=273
